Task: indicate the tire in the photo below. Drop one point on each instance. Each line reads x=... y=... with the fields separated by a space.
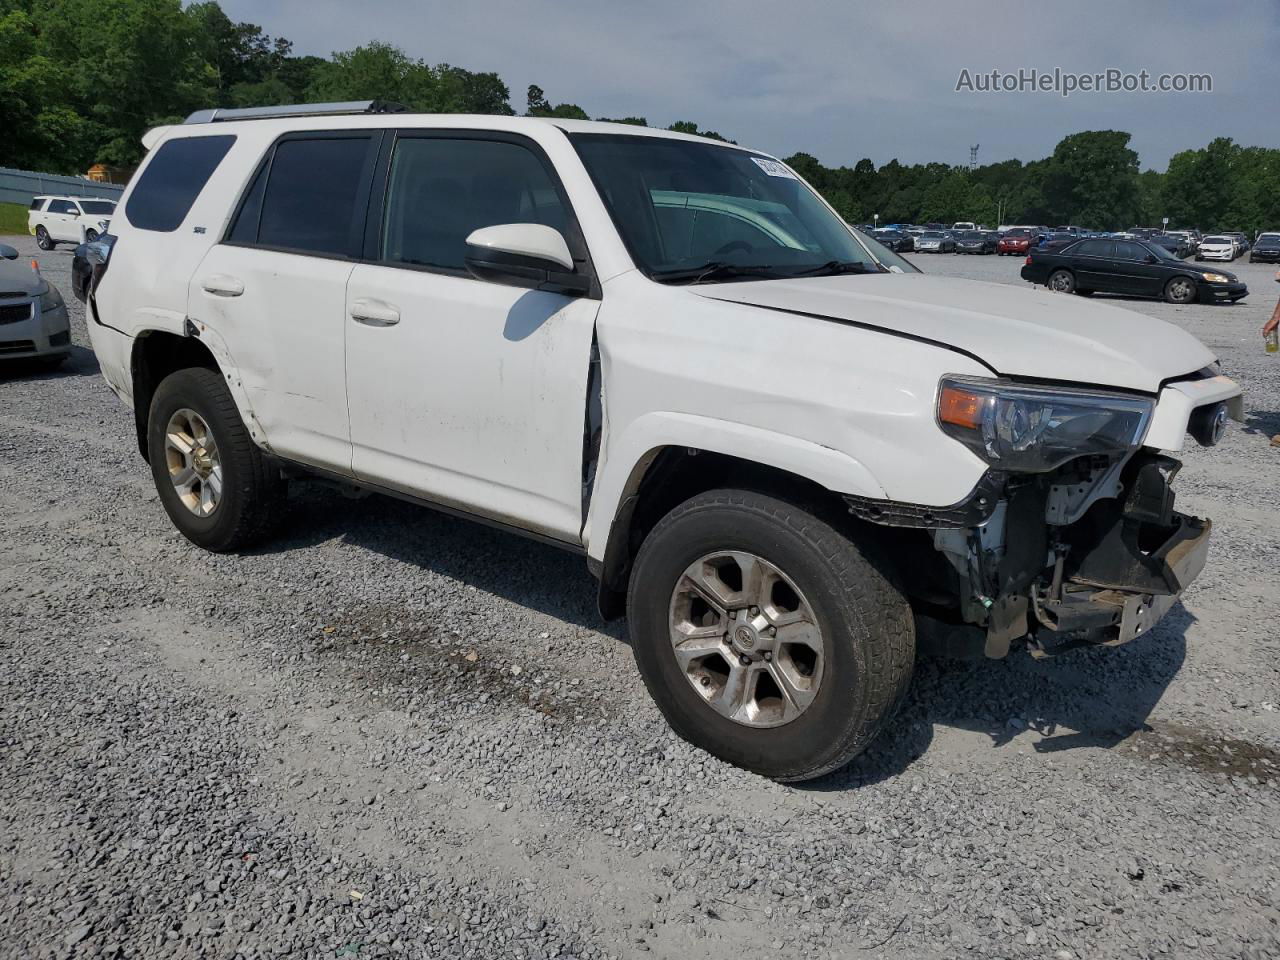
x=43 y=240
x=1061 y=281
x=1180 y=290
x=863 y=625
x=1083 y=293
x=51 y=363
x=250 y=491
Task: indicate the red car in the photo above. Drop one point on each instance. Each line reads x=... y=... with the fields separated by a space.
x=1014 y=243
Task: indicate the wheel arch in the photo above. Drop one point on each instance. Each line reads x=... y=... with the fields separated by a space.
x=157 y=353
x=667 y=474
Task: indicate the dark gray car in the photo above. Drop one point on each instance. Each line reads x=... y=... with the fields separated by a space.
x=33 y=318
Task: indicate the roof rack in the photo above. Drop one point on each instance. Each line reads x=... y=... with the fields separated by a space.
x=220 y=114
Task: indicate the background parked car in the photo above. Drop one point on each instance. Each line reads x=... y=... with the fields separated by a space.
x=33 y=318
x=1015 y=242
x=1174 y=244
x=1141 y=268
x=976 y=241
x=935 y=241
x=1218 y=247
x=1242 y=241
x=896 y=240
x=56 y=220
x=1266 y=249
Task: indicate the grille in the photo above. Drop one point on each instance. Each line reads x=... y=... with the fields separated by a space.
x=16 y=346
x=15 y=312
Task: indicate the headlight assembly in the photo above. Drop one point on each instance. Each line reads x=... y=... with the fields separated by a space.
x=1217 y=278
x=1035 y=429
x=51 y=299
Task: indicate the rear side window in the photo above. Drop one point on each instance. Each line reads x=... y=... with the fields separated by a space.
x=37 y=203
x=310 y=197
x=1093 y=248
x=173 y=179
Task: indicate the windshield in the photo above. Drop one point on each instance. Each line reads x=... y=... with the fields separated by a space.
x=680 y=205
x=98 y=206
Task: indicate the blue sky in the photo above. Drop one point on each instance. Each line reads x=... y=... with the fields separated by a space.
x=842 y=80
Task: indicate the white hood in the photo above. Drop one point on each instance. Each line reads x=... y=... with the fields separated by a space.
x=1017 y=331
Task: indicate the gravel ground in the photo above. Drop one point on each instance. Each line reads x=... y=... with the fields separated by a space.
x=392 y=733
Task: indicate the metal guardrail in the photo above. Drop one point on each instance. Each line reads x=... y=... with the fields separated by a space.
x=19 y=186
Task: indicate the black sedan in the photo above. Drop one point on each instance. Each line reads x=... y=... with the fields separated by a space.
x=1266 y=249
x=896 y=240
x=1134 y=267
x=976 y=241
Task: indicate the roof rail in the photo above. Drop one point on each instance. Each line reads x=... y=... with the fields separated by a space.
x=220 y=114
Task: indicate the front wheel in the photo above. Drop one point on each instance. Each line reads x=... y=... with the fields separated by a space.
x=1062 y=281
x=217 y=487
x=43 y=240
x=766 y=636
x=1180 y=290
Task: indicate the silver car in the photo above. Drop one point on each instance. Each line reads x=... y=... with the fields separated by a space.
x=33 y=318
x=933 y=241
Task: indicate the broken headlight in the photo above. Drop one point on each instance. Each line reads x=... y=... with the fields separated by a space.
x=1034 y=429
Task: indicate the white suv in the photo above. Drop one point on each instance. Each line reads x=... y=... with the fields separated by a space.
x=783 y=459
x=54 y=220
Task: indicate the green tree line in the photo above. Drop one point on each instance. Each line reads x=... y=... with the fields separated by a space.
x=82 y=80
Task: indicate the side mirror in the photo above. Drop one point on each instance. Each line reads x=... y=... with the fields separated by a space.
x=1150 y=258
x=524 y=255
x=7 y=252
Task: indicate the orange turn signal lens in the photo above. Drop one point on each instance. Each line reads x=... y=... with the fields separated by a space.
x=960 y=407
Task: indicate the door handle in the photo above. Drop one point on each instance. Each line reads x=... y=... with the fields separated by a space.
x=374 y=313
x=221 y=285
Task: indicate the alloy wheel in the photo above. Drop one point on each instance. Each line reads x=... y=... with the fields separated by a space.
x=746 y=639
x=191 y=455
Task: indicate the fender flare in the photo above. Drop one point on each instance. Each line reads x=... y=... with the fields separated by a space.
x=626 y=460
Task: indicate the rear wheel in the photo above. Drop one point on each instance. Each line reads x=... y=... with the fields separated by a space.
x=1062 y=281
x=43 y=240
x=1180 y=290
x=766 y=636
x=217 y=487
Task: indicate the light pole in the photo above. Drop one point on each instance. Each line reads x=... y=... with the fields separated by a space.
x=876 y=217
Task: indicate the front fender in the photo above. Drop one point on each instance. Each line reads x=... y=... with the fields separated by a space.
x=626 y=459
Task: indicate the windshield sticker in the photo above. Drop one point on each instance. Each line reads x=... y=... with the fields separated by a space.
x=773 y=168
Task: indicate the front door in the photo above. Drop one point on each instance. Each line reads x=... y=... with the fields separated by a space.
x=462 y=391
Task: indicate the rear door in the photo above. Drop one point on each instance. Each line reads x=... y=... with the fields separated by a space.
x=463 y=391
x=275 y=289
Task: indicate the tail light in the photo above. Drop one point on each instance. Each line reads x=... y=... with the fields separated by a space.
x=1027 y=262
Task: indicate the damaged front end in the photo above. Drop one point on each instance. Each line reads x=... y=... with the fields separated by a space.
x=1088 y=551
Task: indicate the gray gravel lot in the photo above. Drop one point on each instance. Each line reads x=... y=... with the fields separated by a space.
x=393 y=733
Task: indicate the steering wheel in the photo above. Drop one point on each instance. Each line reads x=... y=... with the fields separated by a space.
x=733 y=246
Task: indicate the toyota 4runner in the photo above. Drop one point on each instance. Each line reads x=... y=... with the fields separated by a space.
x=784 y=457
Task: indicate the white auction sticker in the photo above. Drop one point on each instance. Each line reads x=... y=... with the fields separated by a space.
x=773 y=168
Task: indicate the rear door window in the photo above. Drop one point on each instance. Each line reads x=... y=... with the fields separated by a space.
x=310 y=197
x=61 y=206
x=173 y=179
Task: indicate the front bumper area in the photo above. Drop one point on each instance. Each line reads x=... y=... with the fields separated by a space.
x=1210 y=292
x=26 y=331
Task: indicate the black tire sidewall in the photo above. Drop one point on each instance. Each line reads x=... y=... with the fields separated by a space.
x=197 y=389
x=820 y=736
x=1071 y=288
x=43 y=240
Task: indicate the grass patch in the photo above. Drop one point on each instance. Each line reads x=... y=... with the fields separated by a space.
x=13 y=218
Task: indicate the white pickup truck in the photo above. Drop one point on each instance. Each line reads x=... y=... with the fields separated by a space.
x=784 y=456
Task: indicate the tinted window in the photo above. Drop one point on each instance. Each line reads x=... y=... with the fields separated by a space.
x=1126 y=250
x=98 y=206
x=61 y=206
x=312 y=201
x=440 y=190
x=173 y=179
x=1092 y=248
x=37 y=203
